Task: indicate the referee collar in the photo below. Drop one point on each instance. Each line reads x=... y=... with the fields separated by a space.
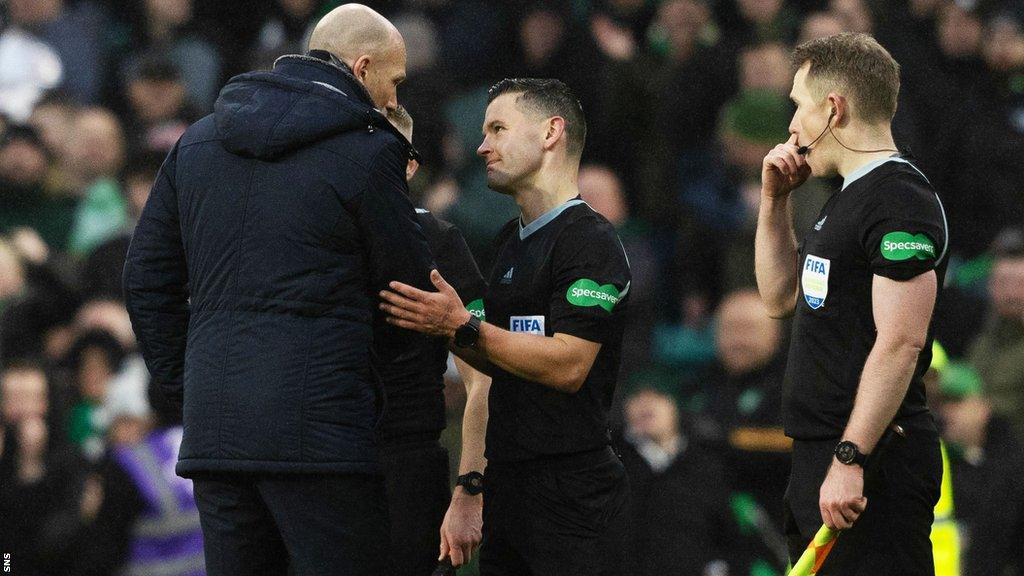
x=545 y=218
x=863 y=170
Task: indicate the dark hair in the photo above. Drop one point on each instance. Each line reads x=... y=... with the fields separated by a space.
x=856 y=62
x=551 y=97
x=99 y=339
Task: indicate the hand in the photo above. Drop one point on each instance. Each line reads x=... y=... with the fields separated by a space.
x=461 y=529
x=434 y=313
x=841 y=499
x=783 y=170
x=30 y=245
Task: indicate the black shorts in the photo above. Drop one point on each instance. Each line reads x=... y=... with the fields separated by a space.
x=568 y=519
x=416 y=477
x=902 y=485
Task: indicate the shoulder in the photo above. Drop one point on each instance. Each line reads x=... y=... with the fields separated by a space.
x=583 y=226
x=900 y=190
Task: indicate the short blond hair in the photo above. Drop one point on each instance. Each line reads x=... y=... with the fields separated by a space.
x=858 y=63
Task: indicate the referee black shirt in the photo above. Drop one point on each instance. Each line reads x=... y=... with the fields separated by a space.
x=414 y=381
x=565 y=272
x=886 y=220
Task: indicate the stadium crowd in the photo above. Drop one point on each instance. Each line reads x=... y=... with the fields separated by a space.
x=683 y=99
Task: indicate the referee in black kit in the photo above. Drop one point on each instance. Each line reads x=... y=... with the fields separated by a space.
x=555 y=494
x=863 y=286
x=425 y=515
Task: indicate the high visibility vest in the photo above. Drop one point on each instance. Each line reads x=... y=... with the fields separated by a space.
x=167 y=539
x=945 y=535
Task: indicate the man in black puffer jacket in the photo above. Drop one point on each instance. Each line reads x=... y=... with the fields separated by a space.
x=251 y=281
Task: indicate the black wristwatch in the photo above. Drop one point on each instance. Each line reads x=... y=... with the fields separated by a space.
x=467 y=334
x=848 y=453
x=471 y=482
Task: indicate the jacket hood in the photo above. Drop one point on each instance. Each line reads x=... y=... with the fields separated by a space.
x=303 y=100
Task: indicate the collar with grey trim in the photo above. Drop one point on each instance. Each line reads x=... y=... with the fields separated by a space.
x=545 y=218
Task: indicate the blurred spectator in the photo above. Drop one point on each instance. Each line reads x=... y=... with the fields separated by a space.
x=424 y=94
x=94 y=358
x=820 y=25
x=854 y=15
x=166 y=28
x=96 y=150
x=764 y=21
x=77 y=31
x=43 y=483
x=25 y=200
x=159 y=110
x=101 y=274
x=28 y=68
x=283 y=31
x=52 y=118
x=24 y=393
x=667 y=101
x=34 y=301
x=766 y=67
x=680 y=503
x=746 y=384
x=986 y=463
x=603 y=191
x=998 y=352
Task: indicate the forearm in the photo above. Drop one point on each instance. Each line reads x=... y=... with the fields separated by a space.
x=775 y=256
x=474 y=420
x=542 y=359
x=883 y=385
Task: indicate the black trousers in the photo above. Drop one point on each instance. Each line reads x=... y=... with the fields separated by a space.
x=902 y=486
x=296 y=524
x=416 y=477
x=562 y=520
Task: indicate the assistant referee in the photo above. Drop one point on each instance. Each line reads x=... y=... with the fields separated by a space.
x=862 y=287
x=555 y=494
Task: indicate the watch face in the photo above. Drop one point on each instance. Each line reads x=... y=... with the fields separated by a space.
x=846 y=452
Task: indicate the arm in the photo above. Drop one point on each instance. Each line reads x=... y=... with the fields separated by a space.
x=775 y=253
x=156 y=285
x=902 y=311
x=395 y=246
x=561 y=361
x=461 y=530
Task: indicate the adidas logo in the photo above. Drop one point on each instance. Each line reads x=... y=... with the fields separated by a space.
x=507 y=278
x=820 y=223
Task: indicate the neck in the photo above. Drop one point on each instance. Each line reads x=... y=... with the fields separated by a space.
x=546 y=193
x=862 y=139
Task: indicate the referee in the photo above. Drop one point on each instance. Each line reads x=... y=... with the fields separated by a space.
x=862 y=287
x=555 y=494
x=425 y=516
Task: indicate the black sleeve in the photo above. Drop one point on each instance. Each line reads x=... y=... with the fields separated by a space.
x=156 y=285
x=590 y=279
x=903 y=231
x=456 y=264
x=395 y=243
x=396 y=247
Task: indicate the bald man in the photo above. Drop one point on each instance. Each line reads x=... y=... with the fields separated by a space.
x=249 y=283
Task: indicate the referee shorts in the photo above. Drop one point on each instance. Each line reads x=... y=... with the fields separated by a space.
x=892 y=535
x=416 y=477
x=567 y=516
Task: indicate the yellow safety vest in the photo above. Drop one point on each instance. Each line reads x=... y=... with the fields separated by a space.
x=945 y=536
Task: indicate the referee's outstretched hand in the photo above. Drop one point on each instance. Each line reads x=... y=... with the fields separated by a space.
x=841 y=499
x=783 y=169
x=435 y=313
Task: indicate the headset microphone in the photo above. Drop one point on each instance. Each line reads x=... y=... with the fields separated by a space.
x=828 y=127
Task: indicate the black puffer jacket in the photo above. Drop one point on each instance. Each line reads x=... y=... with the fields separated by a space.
x=251 y=279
